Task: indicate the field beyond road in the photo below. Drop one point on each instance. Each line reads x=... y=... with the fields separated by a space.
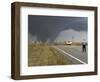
x=43 y=55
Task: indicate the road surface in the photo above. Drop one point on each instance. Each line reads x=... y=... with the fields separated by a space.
x=73 y=53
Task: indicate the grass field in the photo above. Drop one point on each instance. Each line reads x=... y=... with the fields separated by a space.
x=42 y=55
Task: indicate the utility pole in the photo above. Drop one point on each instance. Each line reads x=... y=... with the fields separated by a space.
x=72 y=38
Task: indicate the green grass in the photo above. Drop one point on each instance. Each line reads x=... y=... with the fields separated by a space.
x=42 y=55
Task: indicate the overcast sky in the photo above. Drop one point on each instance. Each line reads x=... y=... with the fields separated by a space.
x=57 y=28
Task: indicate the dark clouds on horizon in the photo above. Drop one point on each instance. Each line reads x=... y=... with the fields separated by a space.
x=49 y=27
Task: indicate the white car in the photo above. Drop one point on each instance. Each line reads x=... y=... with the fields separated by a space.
x=68 y=42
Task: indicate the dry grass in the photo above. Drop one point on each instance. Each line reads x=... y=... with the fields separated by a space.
x=42 y=55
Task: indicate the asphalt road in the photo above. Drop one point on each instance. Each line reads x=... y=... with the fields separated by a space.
x=73 y=53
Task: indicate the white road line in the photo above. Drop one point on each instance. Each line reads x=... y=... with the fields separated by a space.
x=69 y=54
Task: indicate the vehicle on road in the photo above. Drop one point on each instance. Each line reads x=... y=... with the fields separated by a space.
x=68 y=42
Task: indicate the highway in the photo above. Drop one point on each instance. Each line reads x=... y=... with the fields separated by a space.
x=74 y=54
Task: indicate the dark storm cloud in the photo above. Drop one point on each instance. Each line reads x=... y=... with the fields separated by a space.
x=48 y=27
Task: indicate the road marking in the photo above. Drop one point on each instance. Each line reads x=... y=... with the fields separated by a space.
x=69 y=55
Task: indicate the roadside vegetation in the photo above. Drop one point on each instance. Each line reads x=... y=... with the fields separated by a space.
x=43 y=54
